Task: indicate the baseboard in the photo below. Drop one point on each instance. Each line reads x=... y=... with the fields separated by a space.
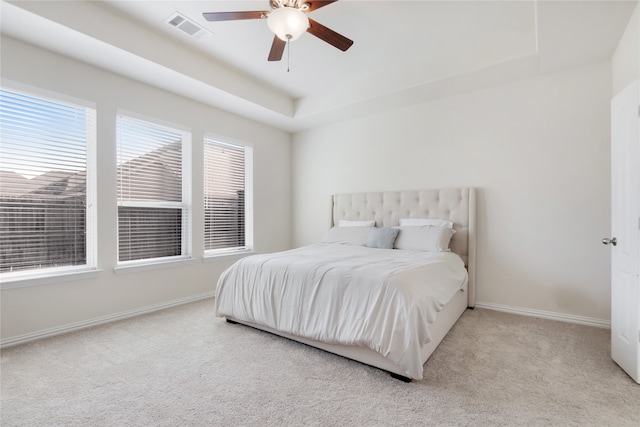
x=21 y=339
x=570 y=318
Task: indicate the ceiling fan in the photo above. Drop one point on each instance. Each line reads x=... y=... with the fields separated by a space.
x=288 y=20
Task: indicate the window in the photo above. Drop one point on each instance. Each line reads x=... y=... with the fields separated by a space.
x=47 y=218
x=154 y=209
x=227 y=198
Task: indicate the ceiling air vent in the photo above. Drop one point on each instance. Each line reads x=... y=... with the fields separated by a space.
x=187 y=26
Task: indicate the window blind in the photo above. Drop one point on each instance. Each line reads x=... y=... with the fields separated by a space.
x=152 y=208
x=44 y=220
x=225 y=196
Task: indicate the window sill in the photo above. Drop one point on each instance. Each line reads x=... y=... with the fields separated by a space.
x=27 y=280
x=224 y=255
x=152 y=265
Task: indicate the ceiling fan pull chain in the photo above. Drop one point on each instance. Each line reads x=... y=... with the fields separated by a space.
x=288 y=52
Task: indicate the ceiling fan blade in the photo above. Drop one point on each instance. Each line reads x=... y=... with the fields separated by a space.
x=277 y=48
x=234 y=16
x=328 y=35
x=313 y=5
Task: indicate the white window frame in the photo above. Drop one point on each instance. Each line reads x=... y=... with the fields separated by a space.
x=90 y=269
x=216 y=254
x=186 y=205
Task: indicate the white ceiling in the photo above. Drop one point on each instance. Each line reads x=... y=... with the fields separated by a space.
x=405 y=52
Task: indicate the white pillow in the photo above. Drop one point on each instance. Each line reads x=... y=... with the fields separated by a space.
x=349 y=223
x=424 y=238
x=348 y=235
x=414 y=222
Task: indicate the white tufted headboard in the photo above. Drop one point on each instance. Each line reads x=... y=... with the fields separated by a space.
x=386 y=208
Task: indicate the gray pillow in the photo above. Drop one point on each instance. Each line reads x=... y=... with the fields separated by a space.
x=382 y=238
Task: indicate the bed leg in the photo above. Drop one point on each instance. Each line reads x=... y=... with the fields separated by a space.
x=400 y=377
x=231 y=321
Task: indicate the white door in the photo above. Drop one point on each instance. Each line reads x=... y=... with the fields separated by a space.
x=625 y=228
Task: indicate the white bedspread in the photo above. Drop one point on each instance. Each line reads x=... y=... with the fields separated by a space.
x=383 y=299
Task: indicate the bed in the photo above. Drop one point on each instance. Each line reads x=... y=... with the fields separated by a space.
x=388 y=307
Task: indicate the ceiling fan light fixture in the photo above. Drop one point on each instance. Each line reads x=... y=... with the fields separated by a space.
x=288 y=23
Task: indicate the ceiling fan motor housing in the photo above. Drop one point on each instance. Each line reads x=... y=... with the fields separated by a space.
x=296 y=4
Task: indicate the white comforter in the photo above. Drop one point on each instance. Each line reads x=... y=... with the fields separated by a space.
x=383 y=299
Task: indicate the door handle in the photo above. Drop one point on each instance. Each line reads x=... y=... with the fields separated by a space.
x=613 y=241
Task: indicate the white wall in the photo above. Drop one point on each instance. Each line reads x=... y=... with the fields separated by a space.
x=32 y=310
x=537 y=150
x=626 y=59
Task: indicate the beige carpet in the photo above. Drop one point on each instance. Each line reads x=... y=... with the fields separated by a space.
x=184 y=367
